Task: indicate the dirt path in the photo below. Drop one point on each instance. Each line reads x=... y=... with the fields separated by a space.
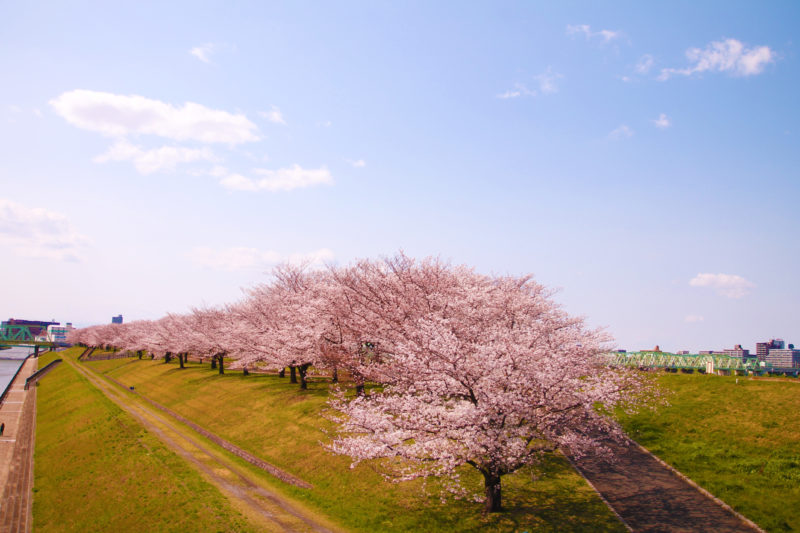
x=270 y=509
x=650 y=496
x=284 y=476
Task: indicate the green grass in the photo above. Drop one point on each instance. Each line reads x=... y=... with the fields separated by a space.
x=272 y=419
x=97 y=469
x=740 y=441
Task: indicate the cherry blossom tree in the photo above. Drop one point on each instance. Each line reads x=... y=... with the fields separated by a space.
x=160 y=338
x=127 y=337
x=481 y=371
x=180 y=336
x=214 y=333
x=283 y=322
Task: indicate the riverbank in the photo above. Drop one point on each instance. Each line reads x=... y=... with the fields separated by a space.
x=271 y=419
x=97 y=469
x=11 y=411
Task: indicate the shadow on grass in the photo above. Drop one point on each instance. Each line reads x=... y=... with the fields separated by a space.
x=199 y=374
x=548 y=503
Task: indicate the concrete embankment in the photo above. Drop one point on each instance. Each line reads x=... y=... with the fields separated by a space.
x=18 y=415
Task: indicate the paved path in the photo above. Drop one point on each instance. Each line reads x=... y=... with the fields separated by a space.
x=649 y=496
x=271 y=509
x=18 y=413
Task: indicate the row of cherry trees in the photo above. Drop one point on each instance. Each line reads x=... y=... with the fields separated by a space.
x=477 y=370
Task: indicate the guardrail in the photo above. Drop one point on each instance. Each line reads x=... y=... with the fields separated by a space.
x=33 y=378
x=108 y=356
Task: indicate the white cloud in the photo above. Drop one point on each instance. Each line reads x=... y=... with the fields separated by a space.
x=119 y=115
x=518 y=90
x=39 y=233
x=203 y=52
x=218 y=171
x=662 y=122
x=38 y=112
x=274 y=115
x=15 y=108
x=158 y=159
x=644 y=64
x=325 y=124
x=243 y=258
x=546 y=81
x=729 y=285
x=284 y=179
x=604 y=35
x=509 y=94
x=729 y=56
x=622 y=132
x=693 y=318
x=237 y=182
x=358 y=163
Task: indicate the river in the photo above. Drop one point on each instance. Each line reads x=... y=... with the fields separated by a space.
x=10 y=360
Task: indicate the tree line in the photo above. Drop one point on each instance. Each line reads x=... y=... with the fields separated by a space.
x=473 y=369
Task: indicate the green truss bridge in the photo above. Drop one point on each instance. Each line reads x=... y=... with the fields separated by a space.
x=19 y=335
x=709 y=363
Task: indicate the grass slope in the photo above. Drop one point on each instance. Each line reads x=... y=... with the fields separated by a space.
x=272 y=419
x=739 y=438
x=96 y=469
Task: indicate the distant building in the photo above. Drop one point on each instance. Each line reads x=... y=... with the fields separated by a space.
x=737 y=351
x=763 y=348
x=116 y=319
x=711 y=352
x=784 y=357
x=656 y=349
x=58 y=333
x=682 y=352
x=36 y=327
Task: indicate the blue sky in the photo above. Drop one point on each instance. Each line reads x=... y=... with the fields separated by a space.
x=642 y=158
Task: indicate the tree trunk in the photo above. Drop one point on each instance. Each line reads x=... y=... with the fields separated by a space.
x=221 y=364
x=335 y=376
x=360 y=390
x=292 y=374
x=302 y=369
x=167 y=357
x=282 y=373
x=139 y=353
x=491 y=483
x=180 y=359
x=245 y=371
x=213 y=362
